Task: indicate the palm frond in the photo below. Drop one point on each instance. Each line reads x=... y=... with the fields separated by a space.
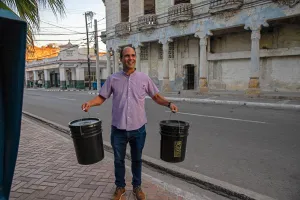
x=29 y=11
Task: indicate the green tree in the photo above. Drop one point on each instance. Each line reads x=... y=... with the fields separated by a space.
x=29 y=11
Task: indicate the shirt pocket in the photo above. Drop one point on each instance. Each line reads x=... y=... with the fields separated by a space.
x=141 y=90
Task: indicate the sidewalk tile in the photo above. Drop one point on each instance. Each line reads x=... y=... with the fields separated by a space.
x=47 y=169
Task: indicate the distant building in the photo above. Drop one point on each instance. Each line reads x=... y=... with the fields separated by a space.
x=202 y=45
x=68 y=69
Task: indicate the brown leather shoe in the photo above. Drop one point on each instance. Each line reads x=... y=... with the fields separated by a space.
x=118 y=193
x=138 y=193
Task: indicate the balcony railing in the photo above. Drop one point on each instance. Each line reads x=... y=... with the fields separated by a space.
x=223 y=5
x=147 y=21
x=290 y=3
x=122 y=28
x=180 y=12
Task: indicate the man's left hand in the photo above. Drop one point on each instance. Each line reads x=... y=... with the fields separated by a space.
x=173 y=108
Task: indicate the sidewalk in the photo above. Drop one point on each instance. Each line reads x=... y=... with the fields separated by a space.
x=47 y=169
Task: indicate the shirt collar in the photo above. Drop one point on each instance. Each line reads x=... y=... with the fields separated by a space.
x=124 y=73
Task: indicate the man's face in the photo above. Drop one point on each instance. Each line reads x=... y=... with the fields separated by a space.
x=129 y=58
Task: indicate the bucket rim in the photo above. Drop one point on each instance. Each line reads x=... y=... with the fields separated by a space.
x=97 y=120
x=181 y=124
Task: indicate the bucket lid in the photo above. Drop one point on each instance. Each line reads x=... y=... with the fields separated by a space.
x=174 y=123
x=84 y=122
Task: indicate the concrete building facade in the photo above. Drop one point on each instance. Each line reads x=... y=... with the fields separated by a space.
x=67 y=70
x=202 y=45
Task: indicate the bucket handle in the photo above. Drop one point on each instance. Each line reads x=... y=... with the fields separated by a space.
x=177 y=120
x=81 y=133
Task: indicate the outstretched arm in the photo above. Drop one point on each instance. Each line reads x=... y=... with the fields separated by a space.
x=97 y=101
x=159 y=99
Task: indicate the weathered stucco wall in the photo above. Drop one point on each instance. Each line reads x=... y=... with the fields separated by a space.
x=136 y=9
x=229 y=74
x=231 y=42
x=280 y=73
x=113 y=16
x=281 y=36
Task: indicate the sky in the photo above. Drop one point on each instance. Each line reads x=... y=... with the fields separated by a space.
x=72 y=24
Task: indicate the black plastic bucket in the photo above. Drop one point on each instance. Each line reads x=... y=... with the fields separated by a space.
x=173 y=140
x=87 y=139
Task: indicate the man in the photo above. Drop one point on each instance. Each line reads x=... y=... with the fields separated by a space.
x=129 y=89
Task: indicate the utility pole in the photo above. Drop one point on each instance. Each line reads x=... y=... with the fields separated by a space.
x=97 y=55
x=88 y=14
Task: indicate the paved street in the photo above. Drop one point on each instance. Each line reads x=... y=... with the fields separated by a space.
x=47 y=169
x=256 y=149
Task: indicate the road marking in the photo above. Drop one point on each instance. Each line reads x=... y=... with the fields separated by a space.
x=66 y=99
x=283 y=102
x=226 y=118
x=211 y=97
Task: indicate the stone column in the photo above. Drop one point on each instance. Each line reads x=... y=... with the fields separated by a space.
x=73 y=75
x=254 y=85
x=62 y=77
x=27 y=79
x=203 y=63
x=35 y=78
x=116 y=60
x=203 y=72
x=166 y=78
x=138 y=58
x=80 y=78
x=108 y=63
x=47 y=78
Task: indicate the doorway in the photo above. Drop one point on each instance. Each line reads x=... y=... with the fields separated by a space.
x=189 y=77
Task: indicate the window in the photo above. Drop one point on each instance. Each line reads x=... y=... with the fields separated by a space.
x=181 y=1
x=149 y=7
x=69 y=52
x=124 y=10
x=171 y=50
x=160 y=51
x=144 y=52
x=86 y=76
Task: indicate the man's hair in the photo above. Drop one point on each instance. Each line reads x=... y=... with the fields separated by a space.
x=122 y=49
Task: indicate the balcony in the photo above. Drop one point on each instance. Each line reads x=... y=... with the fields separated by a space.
x=289 y=3
x=224 y=5
x=180 y=12
x=147 y=21
x=122 y=29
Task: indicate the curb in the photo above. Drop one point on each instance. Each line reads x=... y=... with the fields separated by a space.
x=202 y=181
x=68 y=90
x=237 y=103
x=93 y=93
x=227 y=102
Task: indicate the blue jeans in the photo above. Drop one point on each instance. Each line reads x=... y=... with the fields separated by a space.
x=119 y=139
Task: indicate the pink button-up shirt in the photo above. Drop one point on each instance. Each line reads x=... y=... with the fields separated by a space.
x=129 y=92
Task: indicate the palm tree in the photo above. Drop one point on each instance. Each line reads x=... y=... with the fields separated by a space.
x=29 y=11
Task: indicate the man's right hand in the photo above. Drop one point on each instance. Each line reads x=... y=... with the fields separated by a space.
x=85 y=107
